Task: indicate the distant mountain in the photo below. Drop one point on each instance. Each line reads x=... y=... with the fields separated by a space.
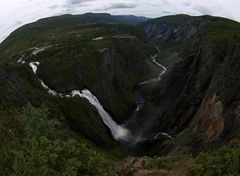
x=131 y=19
x=89 y=18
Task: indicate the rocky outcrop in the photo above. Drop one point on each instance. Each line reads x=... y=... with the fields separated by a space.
x=217 y=120
x=212 y=120
x=199 y=98
x=175 y=28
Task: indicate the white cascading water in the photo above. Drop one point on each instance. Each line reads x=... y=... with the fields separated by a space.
x=118 y=132
x=34 y=66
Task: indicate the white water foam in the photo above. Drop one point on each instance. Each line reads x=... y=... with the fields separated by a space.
x=162 y=134
x=34 y=66
x=97 y=38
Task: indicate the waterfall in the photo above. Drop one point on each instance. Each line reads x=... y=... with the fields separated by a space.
x=119 y=132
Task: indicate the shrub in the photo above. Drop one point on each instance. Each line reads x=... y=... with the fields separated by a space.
x=225 y=161
x=159 y=163
x=49 y=149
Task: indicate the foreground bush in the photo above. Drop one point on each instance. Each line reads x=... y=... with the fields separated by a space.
x=159 y=163
x=225 y=161
x=48 y=148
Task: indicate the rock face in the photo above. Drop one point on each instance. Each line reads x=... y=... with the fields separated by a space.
x=217 y=118
x=175 y=28
x=211 y=119
x=198 y=99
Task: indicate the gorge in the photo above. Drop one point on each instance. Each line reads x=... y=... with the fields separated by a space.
x=122 y=133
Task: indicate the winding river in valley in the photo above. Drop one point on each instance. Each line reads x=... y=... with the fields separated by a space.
x=129 y=133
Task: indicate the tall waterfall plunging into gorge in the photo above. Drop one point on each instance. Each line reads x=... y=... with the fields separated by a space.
x=129 y=132
x=119 y=132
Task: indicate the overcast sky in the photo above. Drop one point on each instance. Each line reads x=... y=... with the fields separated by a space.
x=15 y=13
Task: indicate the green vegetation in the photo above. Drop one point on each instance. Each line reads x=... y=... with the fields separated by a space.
x=216 y=162
x=48 y=147
x=159 y=163
x=225 y=161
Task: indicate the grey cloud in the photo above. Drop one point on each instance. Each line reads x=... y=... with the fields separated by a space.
x=186 y=3
x=165 y=2
x=203 y=10
x=71 y=5
x=165 y=12
x=17 y=22
x=77 y=2
x=53 y=7
x=119 y=6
